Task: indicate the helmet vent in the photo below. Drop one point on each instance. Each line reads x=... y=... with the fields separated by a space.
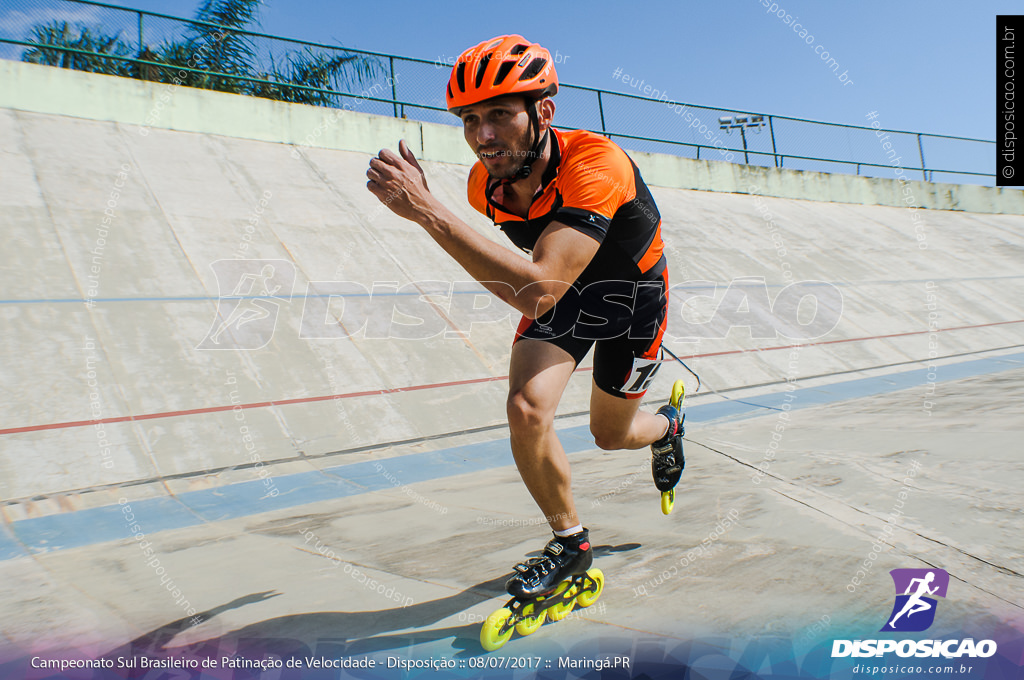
x=518 y=49
x=535 y=67
x=460 y=76
x=503 y=70
x=481 y=68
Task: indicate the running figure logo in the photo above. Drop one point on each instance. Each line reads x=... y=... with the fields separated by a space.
x=248 y=306
x=914 y=611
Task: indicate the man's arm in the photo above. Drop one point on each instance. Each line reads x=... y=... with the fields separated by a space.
x=559 y=257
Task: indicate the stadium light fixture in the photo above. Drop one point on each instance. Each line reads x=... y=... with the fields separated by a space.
x=742 y=123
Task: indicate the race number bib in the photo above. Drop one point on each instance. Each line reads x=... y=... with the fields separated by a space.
x=641 y=376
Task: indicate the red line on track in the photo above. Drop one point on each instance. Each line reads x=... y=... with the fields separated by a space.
x=454 y=383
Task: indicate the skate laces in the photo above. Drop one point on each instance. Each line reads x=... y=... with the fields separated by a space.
x=537 y=567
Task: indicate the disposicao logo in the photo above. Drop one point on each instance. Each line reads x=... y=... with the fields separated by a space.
x=912 y=612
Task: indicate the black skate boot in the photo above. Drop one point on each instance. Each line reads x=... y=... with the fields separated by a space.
x=667 y=460
x=545 y=587
x=562 y=558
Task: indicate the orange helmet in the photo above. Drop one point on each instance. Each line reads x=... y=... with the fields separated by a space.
x=508 y=64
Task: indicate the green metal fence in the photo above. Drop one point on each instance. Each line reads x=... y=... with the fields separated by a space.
x=397 y=86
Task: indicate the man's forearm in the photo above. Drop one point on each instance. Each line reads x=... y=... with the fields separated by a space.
x=501 y=271
x=531 y=287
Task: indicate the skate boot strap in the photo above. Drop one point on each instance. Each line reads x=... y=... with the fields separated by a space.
x=662 y=449
x=669 y=471
x=554 y=548
x=543 y=563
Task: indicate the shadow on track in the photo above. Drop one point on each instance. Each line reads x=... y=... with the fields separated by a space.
x=330 y=634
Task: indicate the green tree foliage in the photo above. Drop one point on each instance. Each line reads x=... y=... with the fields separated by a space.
x=214 y=53
x=60 y=34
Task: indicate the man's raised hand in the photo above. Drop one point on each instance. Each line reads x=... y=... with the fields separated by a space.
x=399 y=183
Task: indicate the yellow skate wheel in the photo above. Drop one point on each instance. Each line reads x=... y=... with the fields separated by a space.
x=529 y=623
x=668 y=501
x=589 y=597
x=568 y=601
x=491 y=637
x=678 y=393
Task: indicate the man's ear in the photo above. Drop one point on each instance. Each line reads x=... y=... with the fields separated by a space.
x=545 y=113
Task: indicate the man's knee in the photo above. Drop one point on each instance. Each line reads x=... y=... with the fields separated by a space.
x=608 y=440
x=525 y=416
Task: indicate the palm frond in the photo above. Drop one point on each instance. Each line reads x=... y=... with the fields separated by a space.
x=232 y=13
x=338 y=72
x=217 y=49
x=221 y=49
x=57 y=34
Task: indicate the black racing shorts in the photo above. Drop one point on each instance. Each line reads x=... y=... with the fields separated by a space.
x=624 y=319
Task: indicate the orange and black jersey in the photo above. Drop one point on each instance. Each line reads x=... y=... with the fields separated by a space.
x=591 y=185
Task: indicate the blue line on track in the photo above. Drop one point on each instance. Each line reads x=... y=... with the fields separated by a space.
x=109 y=523
x=9 y=548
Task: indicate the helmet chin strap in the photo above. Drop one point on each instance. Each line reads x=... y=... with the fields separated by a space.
x=526 y=169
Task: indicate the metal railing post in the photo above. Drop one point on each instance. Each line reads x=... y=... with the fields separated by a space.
x=600 y=108
x=775 y=152
x=394 y=96
x=924 y=173
x=142 y=45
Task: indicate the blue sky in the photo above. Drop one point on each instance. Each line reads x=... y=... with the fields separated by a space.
x=925 y=66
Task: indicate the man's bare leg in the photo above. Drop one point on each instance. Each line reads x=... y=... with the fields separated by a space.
x=538 y=374
x=618 y=423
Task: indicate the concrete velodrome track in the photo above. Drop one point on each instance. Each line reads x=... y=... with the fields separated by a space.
x=333 y=478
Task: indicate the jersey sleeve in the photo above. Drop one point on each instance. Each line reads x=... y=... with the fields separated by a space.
x=598 y=179
x=476 y=188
